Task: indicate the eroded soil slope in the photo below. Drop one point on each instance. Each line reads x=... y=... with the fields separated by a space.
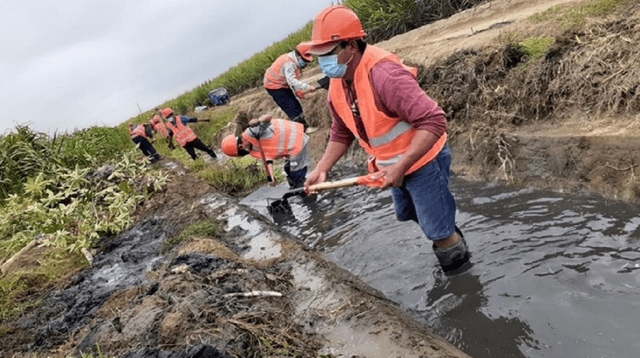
x=567 y=121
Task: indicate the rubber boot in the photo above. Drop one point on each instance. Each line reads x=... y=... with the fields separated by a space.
x=300 y=119
x=453 y=259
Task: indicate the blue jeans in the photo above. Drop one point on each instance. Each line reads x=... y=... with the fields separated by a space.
x=424 y=197
x=287 y=100
x=295 y=178
x=146 y=147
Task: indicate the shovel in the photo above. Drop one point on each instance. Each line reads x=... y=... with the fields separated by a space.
x=282 y=205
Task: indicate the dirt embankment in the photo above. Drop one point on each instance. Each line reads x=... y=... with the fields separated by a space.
x=567 y=121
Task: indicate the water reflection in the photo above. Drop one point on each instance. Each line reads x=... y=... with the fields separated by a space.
x=553 y=276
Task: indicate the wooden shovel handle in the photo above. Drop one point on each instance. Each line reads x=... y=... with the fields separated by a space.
x=335 y=184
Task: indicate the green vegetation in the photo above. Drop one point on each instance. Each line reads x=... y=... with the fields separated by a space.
x=56 y=264
x=535 y=47
x=383 y=19
x=52 y=188
x=576 y=16
x=204 y=228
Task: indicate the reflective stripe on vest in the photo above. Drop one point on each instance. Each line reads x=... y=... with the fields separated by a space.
x=286 y=140
x=389 y=137
x=181 y=133
x=273 y=78
x=138 y=131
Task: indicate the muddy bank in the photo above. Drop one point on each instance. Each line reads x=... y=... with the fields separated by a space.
x=534 y=125
x=245 y=289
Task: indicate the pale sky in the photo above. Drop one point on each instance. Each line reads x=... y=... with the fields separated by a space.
x=73 y=64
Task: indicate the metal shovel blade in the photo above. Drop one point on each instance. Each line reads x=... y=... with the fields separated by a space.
x=282 y=205
x=279 y=206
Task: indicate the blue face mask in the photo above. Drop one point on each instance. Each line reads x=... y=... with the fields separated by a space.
x=302 y=63
x=330 y=66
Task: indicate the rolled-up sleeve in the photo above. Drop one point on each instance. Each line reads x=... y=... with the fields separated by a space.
x=339 y=131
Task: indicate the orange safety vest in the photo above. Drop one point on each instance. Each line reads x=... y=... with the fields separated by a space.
x=159 y=126
x=389 y=137
x=138 y=131
x=181 y=133
x=273 y=78
x=286 y=140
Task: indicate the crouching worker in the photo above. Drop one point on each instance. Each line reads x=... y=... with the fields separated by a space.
x=185 y=135
x=270 y=139
x=377 y=100
x=159 y=127
x=139 y=134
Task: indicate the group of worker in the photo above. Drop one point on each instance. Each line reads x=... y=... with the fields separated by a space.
x=374 y=98
x=170 y=126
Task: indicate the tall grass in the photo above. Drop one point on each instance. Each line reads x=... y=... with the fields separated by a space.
x=26 y=153
x=381 y=19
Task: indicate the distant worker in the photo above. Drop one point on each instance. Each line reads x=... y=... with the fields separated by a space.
x=139 y=134
x=397 y=124
x=274 y=139
x=160 y=127
x=282 y=82
x=185 y=135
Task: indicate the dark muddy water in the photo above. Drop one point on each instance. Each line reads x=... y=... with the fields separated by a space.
x=554 y=275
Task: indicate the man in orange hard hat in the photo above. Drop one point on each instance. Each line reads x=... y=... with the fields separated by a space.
x=185 y=135
x=269 y=139
x=376 y=99
x=282 y=82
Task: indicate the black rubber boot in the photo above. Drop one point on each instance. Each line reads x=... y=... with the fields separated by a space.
x=301 y=119
x=454 y=259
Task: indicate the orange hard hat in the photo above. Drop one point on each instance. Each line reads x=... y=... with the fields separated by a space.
x=230 y=145
x=166 y=113
x=155 y=119
x=331 y=26
x=302 y=49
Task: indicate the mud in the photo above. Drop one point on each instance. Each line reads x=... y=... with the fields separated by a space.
x=246 y=290
x=566 y=123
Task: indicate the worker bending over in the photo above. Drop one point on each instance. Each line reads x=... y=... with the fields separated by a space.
x=139 y=134
x=282 y=82
x=185 y=135
x=269 y=139
x=375 y=98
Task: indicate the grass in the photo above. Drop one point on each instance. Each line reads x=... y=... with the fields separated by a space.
x=15 y=286
x=535 y=47
x=204 y=228
x=571 y=17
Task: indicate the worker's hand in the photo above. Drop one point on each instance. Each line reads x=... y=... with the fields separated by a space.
x=391 y=175
x=265 y=118
x=300 y=94
x=316 y=177
x=254 y=122
x=312 y=89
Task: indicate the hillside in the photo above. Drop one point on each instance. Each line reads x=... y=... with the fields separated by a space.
x=566 y=121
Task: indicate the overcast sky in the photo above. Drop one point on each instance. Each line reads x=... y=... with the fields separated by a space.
x=73 y=64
